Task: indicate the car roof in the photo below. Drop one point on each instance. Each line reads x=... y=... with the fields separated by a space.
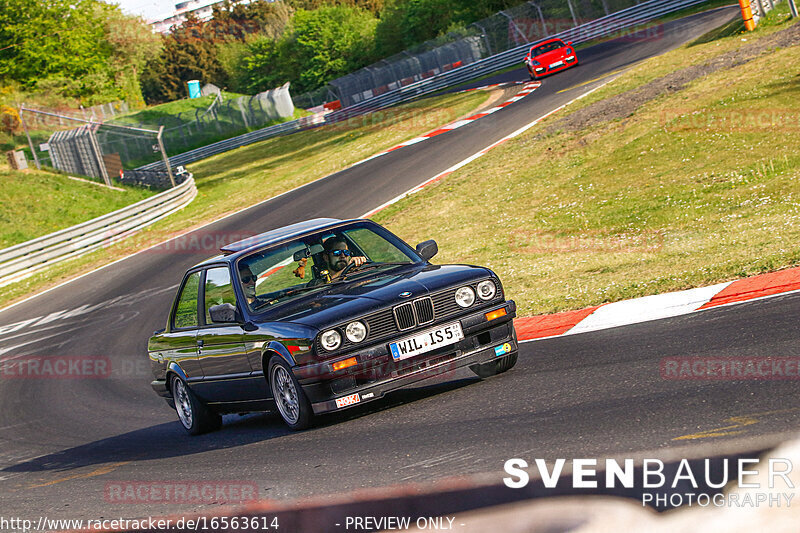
x=234 y=250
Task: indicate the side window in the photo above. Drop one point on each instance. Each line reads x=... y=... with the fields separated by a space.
x=219 y=289
x=186 y=311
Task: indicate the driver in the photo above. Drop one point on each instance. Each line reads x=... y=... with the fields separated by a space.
x=338 y=256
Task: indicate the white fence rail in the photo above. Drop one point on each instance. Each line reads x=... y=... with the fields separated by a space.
x=22 y=260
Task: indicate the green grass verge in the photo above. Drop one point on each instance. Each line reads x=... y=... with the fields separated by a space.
x=37 y=203
x=234 y=180
x=167 y=113
x=728 y=37
x=695 y=188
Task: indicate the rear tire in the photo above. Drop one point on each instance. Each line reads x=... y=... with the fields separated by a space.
x=492 y=368
x=195 y=417
x=292 y=402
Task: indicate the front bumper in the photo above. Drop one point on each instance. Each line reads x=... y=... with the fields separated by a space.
x=377 y=373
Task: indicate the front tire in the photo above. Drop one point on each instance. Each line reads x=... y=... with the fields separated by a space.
x=194 y=415
x=492 y=368
x=292 y=402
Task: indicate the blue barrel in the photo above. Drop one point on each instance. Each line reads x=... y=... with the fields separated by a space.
x=194 y=88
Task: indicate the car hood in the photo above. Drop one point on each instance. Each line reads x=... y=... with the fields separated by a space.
x=551 y=56
x=369 y=293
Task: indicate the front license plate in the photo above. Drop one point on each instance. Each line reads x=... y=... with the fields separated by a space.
x=426 y=341
x=556 y=64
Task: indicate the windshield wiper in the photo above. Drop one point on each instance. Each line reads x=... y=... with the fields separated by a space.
x=369 y=265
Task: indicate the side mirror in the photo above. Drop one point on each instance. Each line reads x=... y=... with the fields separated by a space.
x=224 y=314
x=569 y=43
x=427 y=249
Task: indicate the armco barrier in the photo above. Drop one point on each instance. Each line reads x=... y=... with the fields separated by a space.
x=24 y=259
x=602 y=27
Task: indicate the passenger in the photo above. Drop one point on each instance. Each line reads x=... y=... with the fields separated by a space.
x=248 y=284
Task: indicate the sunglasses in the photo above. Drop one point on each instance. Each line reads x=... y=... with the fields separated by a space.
x=248 y=279
x=337 y=253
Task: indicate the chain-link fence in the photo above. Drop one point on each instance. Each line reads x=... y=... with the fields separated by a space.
x=112 y=150
x=99 y=151
x=503 y=31
x=222 y=119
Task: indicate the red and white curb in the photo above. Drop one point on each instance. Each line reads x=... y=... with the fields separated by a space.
x=658 y=306
x=526 y=90
x=492 y=86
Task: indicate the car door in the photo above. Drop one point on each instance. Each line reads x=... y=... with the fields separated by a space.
x=179 y=344
x=221 y=349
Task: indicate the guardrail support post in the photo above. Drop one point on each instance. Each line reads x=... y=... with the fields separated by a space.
x=28 y=135
x=164 y=154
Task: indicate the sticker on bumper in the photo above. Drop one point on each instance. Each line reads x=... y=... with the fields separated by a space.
x=502 y=350
x=348 y=400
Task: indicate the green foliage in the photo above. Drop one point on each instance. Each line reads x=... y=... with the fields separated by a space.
x=374 y=6
x=319 y=46
x=406 y=23
x=212 y=51
x=186 y=55
x=84 y=49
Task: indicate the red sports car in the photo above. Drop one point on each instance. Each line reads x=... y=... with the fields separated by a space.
x=549 y=57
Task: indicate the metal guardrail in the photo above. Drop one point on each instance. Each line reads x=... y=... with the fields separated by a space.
x=20 y=261
x=602 y=27
x=220 y=147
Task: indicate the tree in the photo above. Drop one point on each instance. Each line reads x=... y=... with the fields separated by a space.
x=132 y=45
x=78 y=49
x=321 y=45
x=187 y=55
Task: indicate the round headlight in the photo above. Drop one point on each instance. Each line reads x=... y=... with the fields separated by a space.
x=486 y=290
x=356 y=331
x=465 y=297
x=331 y=339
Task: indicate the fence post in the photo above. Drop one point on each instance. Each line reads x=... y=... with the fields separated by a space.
x=28 y=135
x=572 y=12
x=164 y=154
x=485 y=38
x=98 y=153
x=793 y=8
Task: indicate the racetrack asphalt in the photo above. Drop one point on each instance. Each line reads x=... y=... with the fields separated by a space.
x=586 y=395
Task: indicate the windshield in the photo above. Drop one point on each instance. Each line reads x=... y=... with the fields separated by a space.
x=543 y=49
x=284 y=272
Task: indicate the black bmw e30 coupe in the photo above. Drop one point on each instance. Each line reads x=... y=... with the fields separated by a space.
x=320 y=316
